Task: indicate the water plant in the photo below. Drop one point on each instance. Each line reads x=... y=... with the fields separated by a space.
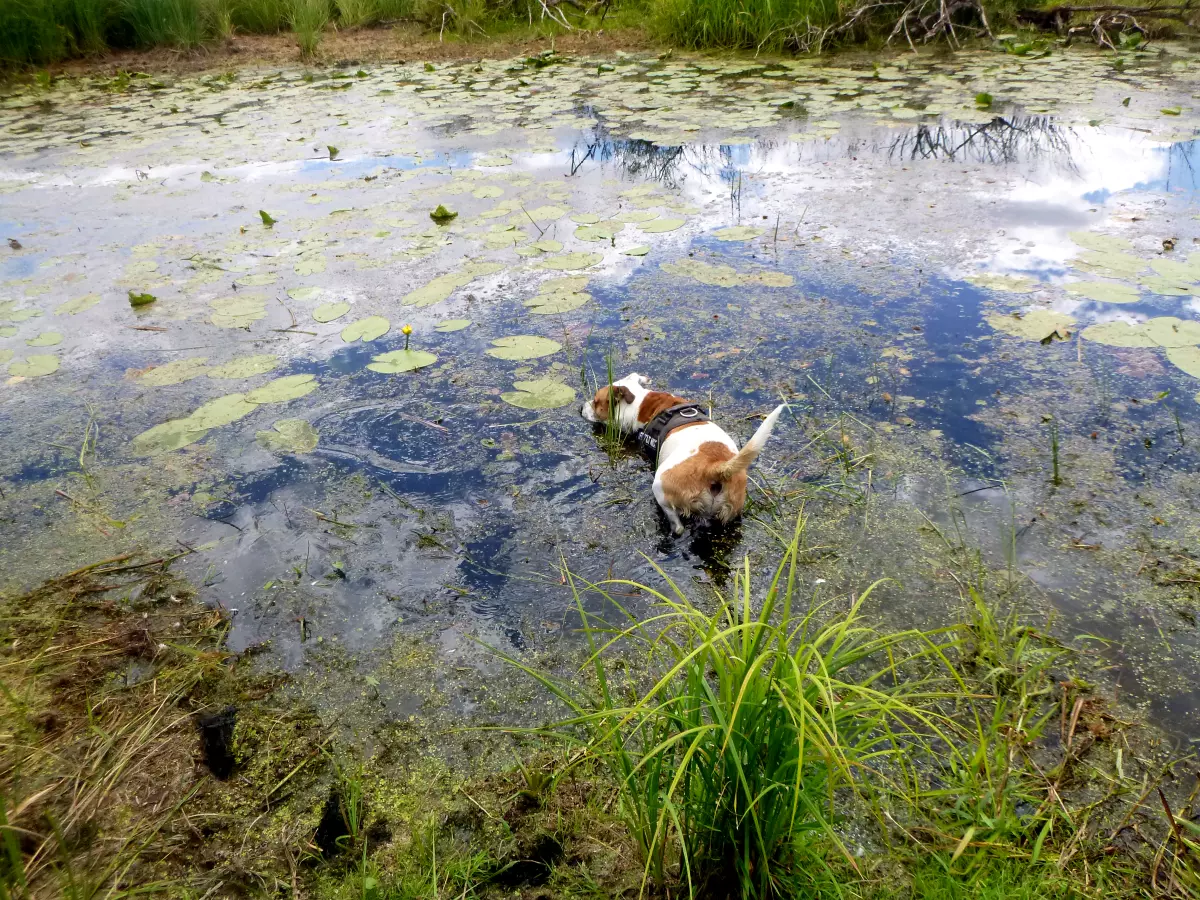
x=758 y=725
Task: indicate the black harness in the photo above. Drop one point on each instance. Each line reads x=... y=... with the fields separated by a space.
x=651 y=438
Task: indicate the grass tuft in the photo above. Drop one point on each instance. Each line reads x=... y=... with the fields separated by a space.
x=308 y=19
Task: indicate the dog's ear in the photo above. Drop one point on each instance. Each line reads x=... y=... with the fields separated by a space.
x=623 y=393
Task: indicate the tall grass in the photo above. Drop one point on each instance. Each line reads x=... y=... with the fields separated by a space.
x=353 y=13
x=260 y=16
x=166 y=23
x=308 y=19
x=731 y=24
x=756 y=728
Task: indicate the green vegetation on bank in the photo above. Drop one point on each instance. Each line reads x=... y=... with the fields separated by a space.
x=41 y=32
x=765 y=742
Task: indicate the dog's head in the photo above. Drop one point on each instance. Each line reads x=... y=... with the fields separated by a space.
x=616 y=399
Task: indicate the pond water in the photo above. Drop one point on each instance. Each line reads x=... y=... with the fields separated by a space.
x=955 y=268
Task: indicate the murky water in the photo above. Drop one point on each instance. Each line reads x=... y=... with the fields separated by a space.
x=907 y=249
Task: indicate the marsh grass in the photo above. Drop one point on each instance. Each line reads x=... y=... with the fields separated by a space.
x=97 y=709
x=308 y=19
x=758 y=727
x=355 y=13
x=165 y=23
x=736 y=24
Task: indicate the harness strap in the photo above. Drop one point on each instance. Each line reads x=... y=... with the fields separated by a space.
x=655 y=432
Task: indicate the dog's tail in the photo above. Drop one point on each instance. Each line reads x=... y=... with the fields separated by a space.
x=748 y=454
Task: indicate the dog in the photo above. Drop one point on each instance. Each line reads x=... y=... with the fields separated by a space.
x=700 y=470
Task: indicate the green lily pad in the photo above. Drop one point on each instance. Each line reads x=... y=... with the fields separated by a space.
x=1118 y=265
x=568 y=262
x=443 y=286
x=451 y=325
x=718 y=276
x=136 y=300
x=175 y=372
x=280 y=390
x=543 y=393
x=441 y=215
x=605 y=231
x=369 y=329
x=166 y=437
x=5 y=355
x=78 y=305
x=327 y=312
x=309 y=264
x=559 y=302
x=1104 y=291
x=1169 y=331
x=1013 y=284
x=635 y=216
x=662 y=226
x=1179 y=270
x=262 y=278
x=1185 y=358
x=1036 y=325
x=1101 y=243
x=1167 y=287
x=639 y=250
x=7 y=331
x=245 y=366
x=304 y=293
x=45 y=339
x=397 y=361
x=289 y=436
x=1118 y=334
x=221 y=411
x=238 y=312
x=522 y=346
x=585 y=218
x=737 y=233
x=548 y=245
x=34 y=366
x=267 y=219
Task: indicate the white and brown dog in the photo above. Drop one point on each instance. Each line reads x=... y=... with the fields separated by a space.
x=700 y=470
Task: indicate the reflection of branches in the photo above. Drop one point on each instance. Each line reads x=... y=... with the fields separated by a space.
x=1180 y=155
x=999 y=141
x=666 y=164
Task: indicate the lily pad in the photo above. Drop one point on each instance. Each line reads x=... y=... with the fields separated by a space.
x=245 y=366
x=7 y=331
x=585 y=218
x=168 y=436
x=289 y=436
x=34 y=366
x=605 y=231
x=560 y=302
x=737 y=233
x=1036 y=325
x=1104 y=291
x=259 y=279
x=662 y=226
x=522 y=346
x=280 y=390
x=175 y=372
x=1101 y=243
x=1116 y=265
x=639 y=250
x=302 y=294
x=136 y=300
x=543 y=393
x=1167 y=287
x=1013 y=284
x=441 y=215
x=451 y=325
x=221 y=411
x=78 y=305
x=327 y=312
x=238 y=312
x=5 y=355
x=1118 y=334
x=401 y=361
x=1184 y=358
x=569 y=262
x=635 y=216
x=548 y=245
x=309 y=264
x=45 y=339
x=369 y=329
x=1169 y=331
